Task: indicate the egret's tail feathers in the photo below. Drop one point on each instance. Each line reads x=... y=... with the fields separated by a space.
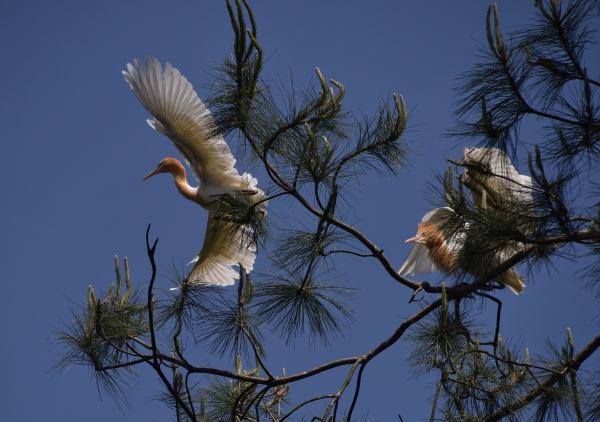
x=514 y=281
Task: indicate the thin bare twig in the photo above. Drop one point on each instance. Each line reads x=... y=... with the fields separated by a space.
x=156 y=363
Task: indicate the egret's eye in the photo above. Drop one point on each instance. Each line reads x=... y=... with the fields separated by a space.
x=422 y=234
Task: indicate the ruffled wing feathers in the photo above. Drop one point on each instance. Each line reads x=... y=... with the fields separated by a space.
x=504 y=183
x=181 y=115
x=417 y=261
x=221 y=250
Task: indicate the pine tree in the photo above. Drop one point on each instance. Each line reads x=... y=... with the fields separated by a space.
x=315 y=153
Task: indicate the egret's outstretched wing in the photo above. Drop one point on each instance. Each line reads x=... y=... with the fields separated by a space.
x=183 y=117
x=222 y=249
x=417 y=261
x=505 y=183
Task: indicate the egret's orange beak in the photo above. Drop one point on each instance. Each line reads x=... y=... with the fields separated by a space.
x=412 y=239
x=150 y=175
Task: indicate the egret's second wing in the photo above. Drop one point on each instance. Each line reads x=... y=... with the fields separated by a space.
x=417 y=261
x=504 y=183
x=221 y=250
x=181 y=115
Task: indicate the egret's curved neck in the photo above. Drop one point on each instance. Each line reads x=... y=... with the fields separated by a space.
x=439 y=252
x=178 y=172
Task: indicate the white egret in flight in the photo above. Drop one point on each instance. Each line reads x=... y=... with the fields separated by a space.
x=493 y=183
x=180 y=114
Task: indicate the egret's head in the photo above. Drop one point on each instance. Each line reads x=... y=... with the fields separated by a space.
x=167 y=165
x=426 y=233
x=419 y=237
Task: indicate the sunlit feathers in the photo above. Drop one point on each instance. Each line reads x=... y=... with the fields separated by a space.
x=181 y=115
x=496 y=185
x=435 y=250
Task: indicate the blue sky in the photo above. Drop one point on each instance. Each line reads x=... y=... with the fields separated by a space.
x=75 y=146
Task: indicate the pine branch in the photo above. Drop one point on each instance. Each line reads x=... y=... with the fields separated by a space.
x=573 y=365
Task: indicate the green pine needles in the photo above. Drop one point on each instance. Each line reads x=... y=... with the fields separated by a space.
x=314 y=153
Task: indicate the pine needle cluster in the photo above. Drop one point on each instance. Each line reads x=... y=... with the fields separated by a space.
x=314 y=153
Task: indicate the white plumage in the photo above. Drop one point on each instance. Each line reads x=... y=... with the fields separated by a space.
x=493 y=183
x=504 y=183
x=181 y=115
x=418 y=260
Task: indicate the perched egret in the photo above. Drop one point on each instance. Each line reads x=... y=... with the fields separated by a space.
x=434 y=250
x=494 y=184
x=180 y=114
